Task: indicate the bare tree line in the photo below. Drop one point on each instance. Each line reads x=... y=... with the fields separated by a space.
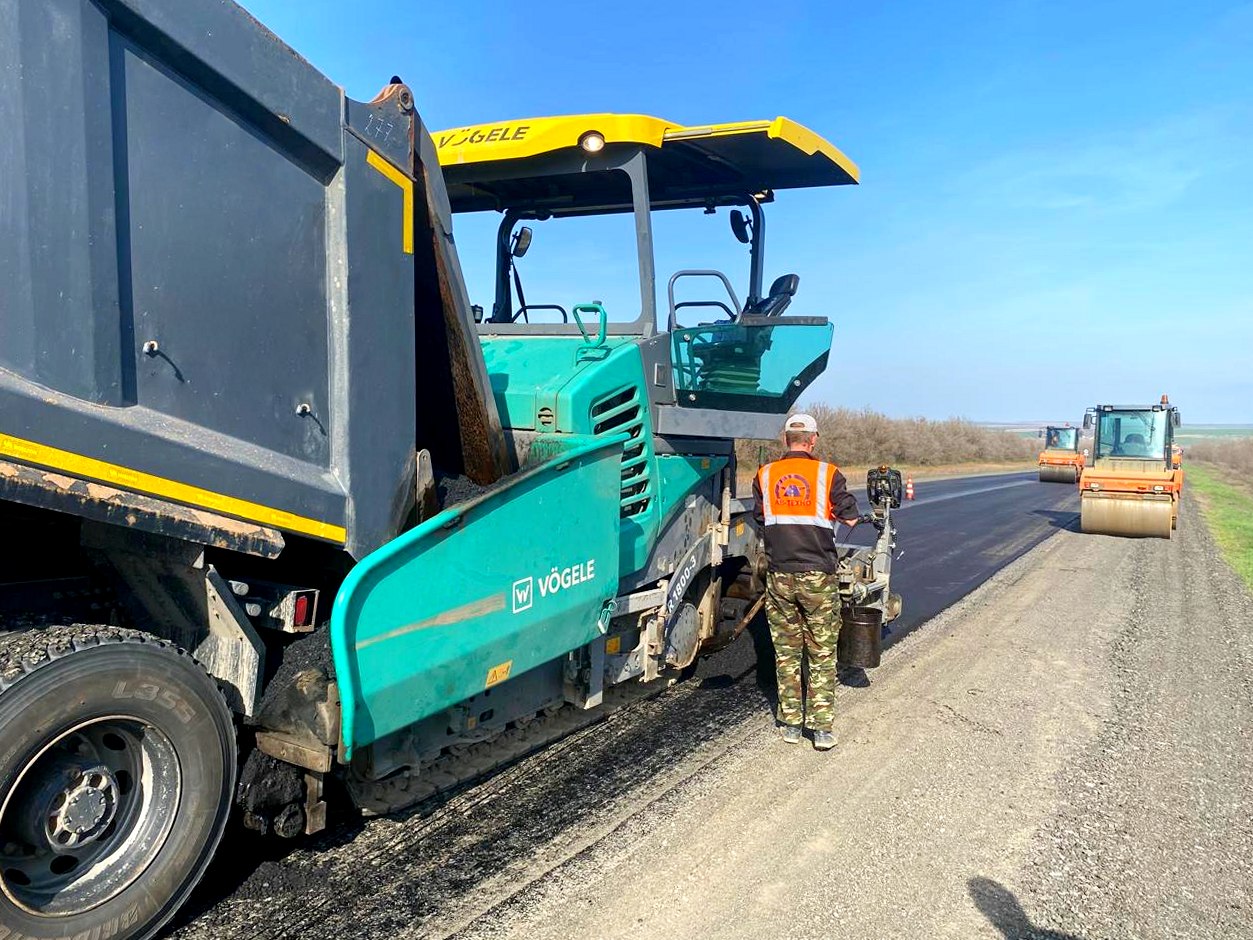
x=866 y=438
x=1233 y=453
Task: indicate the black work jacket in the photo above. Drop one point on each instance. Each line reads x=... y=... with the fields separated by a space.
x=803 y=540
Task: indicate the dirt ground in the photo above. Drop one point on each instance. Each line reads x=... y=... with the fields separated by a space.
x=1068 y=752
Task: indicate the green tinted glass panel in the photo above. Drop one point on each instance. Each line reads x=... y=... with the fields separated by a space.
x=749 y=365
x=1132 y=434
x=1062 y=439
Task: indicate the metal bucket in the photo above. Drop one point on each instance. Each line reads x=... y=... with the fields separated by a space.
x=861 y=637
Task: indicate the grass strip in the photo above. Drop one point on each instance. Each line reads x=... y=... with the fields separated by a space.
x=1228 y=511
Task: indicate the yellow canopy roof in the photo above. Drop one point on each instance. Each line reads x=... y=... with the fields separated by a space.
x=748 y=156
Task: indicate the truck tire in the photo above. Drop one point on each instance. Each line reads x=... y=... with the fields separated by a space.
x=117 y=765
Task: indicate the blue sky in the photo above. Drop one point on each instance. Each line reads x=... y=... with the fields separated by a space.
x=1057 y=197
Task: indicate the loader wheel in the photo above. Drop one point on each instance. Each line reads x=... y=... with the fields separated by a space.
x=117 y=764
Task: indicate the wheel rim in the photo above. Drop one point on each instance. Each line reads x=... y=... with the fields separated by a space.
x=87 y=815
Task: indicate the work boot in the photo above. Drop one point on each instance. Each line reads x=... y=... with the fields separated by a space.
x=791 y=734
x=823 y=740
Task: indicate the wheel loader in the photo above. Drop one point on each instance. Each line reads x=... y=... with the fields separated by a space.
x=281 y=512
x=1133 y=487
x=1061 y=461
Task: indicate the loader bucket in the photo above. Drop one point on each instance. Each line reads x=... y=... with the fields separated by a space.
x=482 y=592
x=1140 y=515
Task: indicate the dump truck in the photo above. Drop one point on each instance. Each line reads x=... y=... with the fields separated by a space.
x=1133 y=487
x=282 y=513
x=1061 y=461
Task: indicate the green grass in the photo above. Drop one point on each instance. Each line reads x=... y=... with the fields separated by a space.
x=1228 y=510
x=1191 y=433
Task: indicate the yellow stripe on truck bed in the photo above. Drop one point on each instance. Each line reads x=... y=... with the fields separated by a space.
x=126 y=478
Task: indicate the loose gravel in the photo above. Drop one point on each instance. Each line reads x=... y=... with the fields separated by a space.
x=1153 y=835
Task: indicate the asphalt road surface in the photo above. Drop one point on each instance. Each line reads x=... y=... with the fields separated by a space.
x=957 y=533
x=1054 y=756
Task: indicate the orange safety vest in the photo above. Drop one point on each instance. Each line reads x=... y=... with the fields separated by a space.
x=797 y=491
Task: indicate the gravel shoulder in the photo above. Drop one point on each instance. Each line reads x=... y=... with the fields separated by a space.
x=1067 y=752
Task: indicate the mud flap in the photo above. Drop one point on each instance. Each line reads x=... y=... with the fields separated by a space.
x=480 y=592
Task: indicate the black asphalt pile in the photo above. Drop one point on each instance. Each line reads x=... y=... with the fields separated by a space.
x=265 y=782
x=454 y=490
x=312 y=651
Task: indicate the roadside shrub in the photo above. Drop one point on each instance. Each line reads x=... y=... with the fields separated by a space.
x=1232 y=453
x=865 y=438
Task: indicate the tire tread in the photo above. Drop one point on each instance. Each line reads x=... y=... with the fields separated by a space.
x=26 y=651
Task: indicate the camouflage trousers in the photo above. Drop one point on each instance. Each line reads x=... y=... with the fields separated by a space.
x=803 y=610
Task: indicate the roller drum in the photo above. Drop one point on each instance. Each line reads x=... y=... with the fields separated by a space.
x=1131 y=515
x=1058 y=473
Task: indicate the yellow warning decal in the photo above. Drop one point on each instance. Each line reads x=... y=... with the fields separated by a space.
x=613 y=645
x=406 y=187
x=498 y=674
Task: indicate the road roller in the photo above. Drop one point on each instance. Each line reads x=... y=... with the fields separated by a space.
x=1061 y=461
x=1133 y=487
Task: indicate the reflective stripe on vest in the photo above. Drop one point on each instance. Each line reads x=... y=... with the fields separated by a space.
x=797 y=491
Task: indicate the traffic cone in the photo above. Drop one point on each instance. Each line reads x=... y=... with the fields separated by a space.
x=909 y=487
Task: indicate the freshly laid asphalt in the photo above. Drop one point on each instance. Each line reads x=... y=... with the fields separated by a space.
x=956 y=534
x=446 y=866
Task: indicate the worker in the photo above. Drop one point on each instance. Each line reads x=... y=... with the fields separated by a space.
x=799 y=501
x=1134 y=446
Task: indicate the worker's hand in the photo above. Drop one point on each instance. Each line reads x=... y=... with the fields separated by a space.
x=876 y=521
x=851 y=523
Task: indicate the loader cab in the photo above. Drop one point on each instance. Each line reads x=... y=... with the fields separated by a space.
x=713 y=341
x=1139 y=433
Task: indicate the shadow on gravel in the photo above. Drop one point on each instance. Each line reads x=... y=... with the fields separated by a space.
x=854 y=677
x=998 y=904
x=1059 y=519
x=763 y=649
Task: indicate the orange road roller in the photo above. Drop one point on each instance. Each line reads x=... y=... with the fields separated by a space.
x=1133 y=487
x=1061 y=461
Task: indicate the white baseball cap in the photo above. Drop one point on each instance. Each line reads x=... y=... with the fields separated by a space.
x=801 y=422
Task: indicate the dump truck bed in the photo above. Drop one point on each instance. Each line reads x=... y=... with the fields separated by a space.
x=214 y=267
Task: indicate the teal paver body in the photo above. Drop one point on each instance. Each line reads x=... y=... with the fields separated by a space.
x=803 y=611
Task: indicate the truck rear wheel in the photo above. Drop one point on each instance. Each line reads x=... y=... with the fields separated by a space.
x=117 y=764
